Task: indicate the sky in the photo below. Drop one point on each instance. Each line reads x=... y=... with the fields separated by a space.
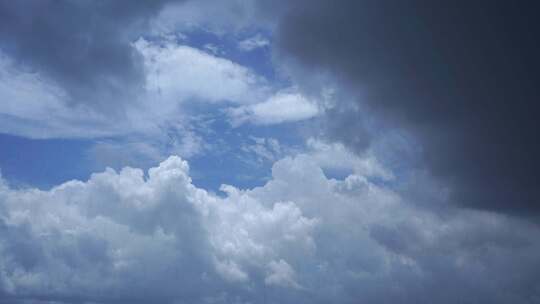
x=254 y=151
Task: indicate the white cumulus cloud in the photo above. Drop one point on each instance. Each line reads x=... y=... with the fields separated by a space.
x=279 y=108
x=152 y=236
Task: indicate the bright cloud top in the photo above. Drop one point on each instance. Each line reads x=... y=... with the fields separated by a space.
x=301 y=238
x=182 y=73
x=279 y=108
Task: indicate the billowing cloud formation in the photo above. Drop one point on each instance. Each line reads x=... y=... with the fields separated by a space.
x=132 y=237
x=461 y=76
x=456 y=77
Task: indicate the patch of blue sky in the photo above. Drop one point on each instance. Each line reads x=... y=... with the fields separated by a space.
x=227 y=157
x=43 y=163
x=227 y=160
x=232 y=156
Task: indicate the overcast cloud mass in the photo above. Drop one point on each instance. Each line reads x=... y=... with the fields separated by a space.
x=253 y=151
x=461 y=76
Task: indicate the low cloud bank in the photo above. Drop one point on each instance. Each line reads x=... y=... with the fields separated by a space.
x=132 y=236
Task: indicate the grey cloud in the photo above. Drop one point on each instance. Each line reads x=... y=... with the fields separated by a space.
x=84 y=46
x=461 y=76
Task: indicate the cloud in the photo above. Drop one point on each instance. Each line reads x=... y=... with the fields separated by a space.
x=279 y=108
x=176 y=73
x=132 y=236
x=133 y=231
x=159 y=121
x=265 y=149
x=304 y=236
x=83 y=47
x=105 y=71
x=459 y=77
x=338 y=156
x=281 y=274
x=252 y=43
x=33 y=105
x=218 y=17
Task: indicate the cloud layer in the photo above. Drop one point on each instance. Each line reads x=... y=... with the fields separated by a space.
x=84 y=46
x=131 y=236
x=460 y=76
x=354 y=219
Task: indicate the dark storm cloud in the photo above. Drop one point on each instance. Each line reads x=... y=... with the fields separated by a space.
x=84 y=46
x=461 y=75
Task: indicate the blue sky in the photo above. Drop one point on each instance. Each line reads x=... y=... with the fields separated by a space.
x=29 y=162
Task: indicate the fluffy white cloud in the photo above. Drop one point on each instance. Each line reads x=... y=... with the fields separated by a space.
x=118 y=232
x=179 y=73
x=279 y=108
x=302 y=238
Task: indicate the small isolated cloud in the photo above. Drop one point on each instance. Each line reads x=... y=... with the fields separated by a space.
x=212 y=49
x=279 y=108
x=252 y=43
